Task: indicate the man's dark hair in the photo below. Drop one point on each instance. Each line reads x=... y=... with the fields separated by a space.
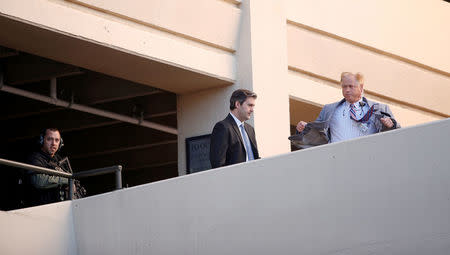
x=53 y=129
x=240 y=96
x=44 y=133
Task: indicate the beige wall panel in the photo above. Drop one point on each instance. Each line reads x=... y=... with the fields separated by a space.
x=320 y=93
x=140 y=40
x=47 y=229
x=413 y=29
x=216 y=22
x=387 y=76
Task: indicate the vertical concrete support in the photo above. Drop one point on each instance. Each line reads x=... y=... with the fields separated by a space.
x=269 y=73
x=197 y=112
x=261 y=66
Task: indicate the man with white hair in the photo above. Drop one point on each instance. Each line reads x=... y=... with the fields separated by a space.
x=354 y=115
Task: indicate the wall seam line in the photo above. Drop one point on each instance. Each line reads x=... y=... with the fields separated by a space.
x=159 y=28
x=369 y=48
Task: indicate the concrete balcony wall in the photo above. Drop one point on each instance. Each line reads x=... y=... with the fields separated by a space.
x=44 y=229
x=386 y=193
x=380 y=194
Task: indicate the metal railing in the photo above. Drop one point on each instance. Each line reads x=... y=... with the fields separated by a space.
x=94 y=172
x=99 y=171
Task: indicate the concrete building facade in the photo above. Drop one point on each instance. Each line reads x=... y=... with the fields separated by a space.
x=290 y=52
x=145 y=75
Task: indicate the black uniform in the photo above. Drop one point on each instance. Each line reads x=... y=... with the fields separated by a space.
x=45 y=188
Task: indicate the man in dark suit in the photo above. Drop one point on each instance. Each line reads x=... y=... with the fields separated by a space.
x=232 y=140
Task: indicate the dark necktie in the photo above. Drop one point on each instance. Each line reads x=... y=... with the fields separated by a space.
x=365 y=118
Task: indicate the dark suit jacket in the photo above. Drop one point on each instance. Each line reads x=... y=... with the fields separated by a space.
x=227 y=147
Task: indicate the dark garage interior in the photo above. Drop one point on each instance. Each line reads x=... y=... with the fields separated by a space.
x=91 y=141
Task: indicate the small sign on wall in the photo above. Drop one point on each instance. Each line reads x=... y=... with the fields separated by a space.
x=197 y=154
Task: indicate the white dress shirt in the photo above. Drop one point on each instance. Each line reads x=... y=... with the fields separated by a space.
x=342 y=127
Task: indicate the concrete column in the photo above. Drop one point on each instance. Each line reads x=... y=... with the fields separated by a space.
x=269 y=73
x=261 y=66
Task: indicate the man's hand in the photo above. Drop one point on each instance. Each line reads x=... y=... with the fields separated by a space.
x=301 y=125
x=387 y=122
